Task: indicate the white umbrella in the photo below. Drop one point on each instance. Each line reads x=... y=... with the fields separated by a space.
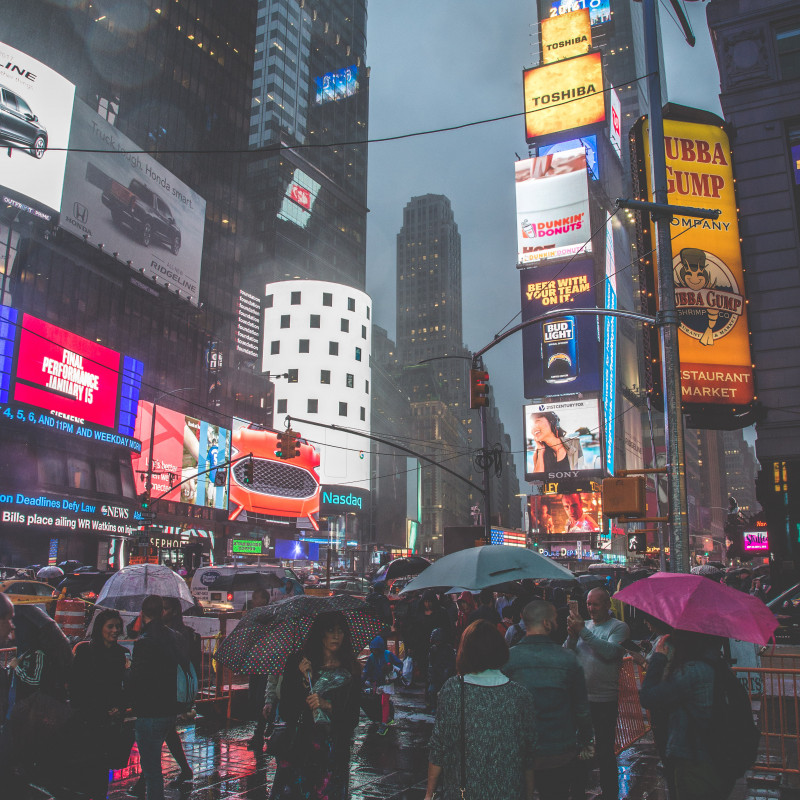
x=126 y=589
x=490 y=565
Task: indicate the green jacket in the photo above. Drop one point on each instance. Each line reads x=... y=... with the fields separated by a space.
x=555 y=679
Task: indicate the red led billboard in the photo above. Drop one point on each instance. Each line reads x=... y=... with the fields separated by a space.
x=60 y=372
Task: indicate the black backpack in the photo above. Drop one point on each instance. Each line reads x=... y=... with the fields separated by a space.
x=734 y=734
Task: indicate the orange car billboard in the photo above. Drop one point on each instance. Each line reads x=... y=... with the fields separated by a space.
x=564 y=95
x=714 y=338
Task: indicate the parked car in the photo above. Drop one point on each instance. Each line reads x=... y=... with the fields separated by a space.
x=139 y=208
x=216 y=589
x=280 y=488
x=84 y=584
x=358 y=587
x=19 y=125
x=24 y=592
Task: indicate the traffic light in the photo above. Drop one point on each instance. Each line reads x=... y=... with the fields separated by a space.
x=624 y=497
x=292 y=444
x=637 y=542
x=247 y=472
x=282 y=445
x=478 y=388
x=147 y=514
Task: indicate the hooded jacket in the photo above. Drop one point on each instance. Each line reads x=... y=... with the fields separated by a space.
x=379 y=663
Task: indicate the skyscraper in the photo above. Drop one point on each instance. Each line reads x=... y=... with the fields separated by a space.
x=308 y=183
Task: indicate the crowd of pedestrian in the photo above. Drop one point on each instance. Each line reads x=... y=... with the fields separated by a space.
x=523 y=685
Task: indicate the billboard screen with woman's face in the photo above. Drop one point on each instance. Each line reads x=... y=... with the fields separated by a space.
x=562 y=440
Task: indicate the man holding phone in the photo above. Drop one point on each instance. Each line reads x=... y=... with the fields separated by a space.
x=598 y=646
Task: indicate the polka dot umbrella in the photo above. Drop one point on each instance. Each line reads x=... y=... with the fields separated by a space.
x=267 y=636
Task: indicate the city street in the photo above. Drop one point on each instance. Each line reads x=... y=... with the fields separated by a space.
x=391 y=767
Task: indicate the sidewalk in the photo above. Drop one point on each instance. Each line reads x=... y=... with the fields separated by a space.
x=390 y=767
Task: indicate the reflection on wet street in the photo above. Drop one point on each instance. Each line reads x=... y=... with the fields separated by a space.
x=390 y=767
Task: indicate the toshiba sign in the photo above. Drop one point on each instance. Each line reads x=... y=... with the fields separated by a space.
x=566 y=35
x=564 y=95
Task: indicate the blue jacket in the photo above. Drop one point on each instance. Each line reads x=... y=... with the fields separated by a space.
x=688 y=695
x=554 y=677
x=374 y=673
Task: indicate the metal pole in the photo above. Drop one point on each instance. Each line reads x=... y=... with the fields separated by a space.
x=149 y=486
x=487 y=503
x=668 y=318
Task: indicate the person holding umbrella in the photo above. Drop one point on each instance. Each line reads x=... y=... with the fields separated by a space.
x=320 y=702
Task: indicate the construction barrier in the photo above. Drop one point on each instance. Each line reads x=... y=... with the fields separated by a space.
x=774 y=695
x=70 y=617
x=633 y=721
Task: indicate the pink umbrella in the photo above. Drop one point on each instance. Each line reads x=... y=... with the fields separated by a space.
x=694 y=603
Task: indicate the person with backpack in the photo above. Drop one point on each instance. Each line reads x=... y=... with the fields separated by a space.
x=158 y=663
x=711 y=737
x=381 y=670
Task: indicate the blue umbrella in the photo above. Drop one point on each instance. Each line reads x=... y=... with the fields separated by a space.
x=487 y=566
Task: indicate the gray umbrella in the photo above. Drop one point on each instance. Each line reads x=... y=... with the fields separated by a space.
x=483 y=567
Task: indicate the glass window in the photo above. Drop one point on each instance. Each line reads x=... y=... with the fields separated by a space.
x=312 y=406
x=281 y=406
x=358 y=354
x=292 y=375
x=366 y=386
x=286 y=320
x=351 y=304
x=79 y=473
x=52 y=469
x=324 y=376
x=345 y=325
x=363 y=331
x=789 y=52
x=314 y=321
x=333 y=348
x=342 y=409
x=363 y=414
x=349 y=381
x=367 y=312
x=268 y=301
x=274 y=348
x=107 y=476
x=327 y=299
x=304 y=345
x=295 y=298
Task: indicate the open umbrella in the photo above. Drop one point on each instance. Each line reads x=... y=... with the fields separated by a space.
x=401 y=568
x=267 y=636
x=708 y=571
x=694 y=603
x=487 y=566
x=126 y=589
x=50 y=574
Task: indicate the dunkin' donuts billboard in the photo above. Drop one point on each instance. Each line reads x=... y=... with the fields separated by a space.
x=714 y=336
x=552 y=206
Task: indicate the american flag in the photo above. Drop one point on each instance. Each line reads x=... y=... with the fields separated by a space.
x=512 y=538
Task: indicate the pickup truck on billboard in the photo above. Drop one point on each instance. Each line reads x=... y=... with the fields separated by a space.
x=144 y=212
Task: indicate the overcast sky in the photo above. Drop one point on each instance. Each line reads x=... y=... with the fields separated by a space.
x=436 y=64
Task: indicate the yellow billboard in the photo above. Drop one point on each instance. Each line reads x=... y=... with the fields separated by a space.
x=714 y=338
x=566 y=35
x=564 y=95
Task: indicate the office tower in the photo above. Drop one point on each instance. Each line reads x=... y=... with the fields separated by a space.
x=308 y=180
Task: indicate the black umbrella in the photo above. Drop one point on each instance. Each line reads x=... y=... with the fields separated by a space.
x=401 y=568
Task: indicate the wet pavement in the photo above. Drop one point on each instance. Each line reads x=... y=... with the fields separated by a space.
x=390 y=767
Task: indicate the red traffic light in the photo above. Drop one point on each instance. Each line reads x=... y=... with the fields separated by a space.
x=478 y=388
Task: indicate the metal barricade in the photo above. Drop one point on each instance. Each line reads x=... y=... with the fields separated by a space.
x=217 y=683
x=633 y=721
x=774 y=696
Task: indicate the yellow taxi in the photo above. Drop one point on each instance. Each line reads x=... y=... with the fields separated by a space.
x=23 y=592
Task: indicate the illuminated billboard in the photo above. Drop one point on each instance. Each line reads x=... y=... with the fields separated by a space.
x=560 y=354
x=755 y=541
x=35 y=115
x=561 y=515
x=296 y=550
x=714 y=337
x=119 y=197
x=298 y=201
x=52 y=378
x=564 y=95
x=610 y=351
x=562 y=440
x=615 y=122
x=599 y=10
x=282 y=490
x=183 y=447
x=552 y=206
x=337 y=85
x=589 y=145
x=566 y=35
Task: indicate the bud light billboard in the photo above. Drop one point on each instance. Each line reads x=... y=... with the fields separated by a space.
x=560 y=354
